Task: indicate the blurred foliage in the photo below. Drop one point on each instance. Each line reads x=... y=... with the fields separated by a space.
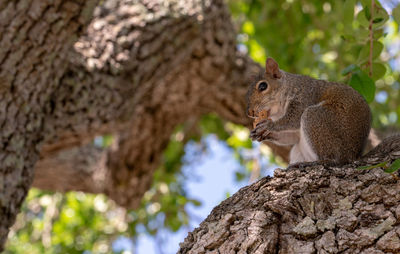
x=392 y=168
x=70 y=223
x=323 y=39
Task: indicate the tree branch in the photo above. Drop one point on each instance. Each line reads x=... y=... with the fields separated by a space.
x=159 y=73
x=35 y=37
x=309 y=210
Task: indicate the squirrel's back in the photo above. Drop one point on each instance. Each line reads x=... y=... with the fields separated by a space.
x=343 y=115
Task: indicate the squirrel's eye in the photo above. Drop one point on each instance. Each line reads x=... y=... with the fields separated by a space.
x=262 y=86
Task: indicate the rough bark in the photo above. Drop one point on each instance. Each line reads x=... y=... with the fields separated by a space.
x=316 y=209
x=35 y=37
x=139 y=71
x=136 y=71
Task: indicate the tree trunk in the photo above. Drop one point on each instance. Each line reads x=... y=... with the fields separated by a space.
x=35 y=37
x=136 y=71
x=316 y=209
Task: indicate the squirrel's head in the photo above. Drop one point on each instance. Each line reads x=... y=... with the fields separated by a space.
x=264 y=93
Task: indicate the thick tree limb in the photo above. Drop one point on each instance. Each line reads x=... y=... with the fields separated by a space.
x=139 y=77
x=79 y=168
x=35 y=37
x=309 y=210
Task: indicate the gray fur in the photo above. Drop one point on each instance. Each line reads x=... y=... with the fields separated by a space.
x=335 y=119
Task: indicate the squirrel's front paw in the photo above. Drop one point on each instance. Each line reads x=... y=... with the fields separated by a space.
x=261 y=132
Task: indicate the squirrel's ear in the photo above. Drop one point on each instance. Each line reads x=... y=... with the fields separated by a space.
x=272 y=68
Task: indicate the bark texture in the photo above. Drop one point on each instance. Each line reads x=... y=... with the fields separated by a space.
x=139 y=70
x=70 y=71
x=35 y=38
x=316 y=209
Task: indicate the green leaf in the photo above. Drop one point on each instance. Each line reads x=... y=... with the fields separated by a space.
x=393 y=167
x=382 y=164
x=348 y=37
x=174 y=224
x=380 y=16
x=348 y=15
x=363 y=84
x=362 y=19
x=378 y=71
x=349 y=69
x=365 y=2
x=396 y=14
x=367 y=13
x=377 y=20
x=195 y=202
x=378 y=33
x=377 y=48
x=239 y=176
x=362 y=36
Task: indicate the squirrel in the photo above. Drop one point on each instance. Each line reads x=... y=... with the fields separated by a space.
x=321 y=120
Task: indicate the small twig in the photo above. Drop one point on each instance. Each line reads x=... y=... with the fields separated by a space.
x=371 y=38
